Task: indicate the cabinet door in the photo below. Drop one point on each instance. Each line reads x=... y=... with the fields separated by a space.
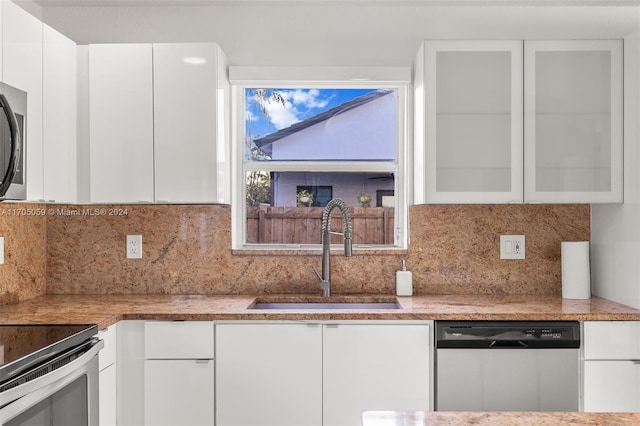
x=59 y=117
x=573 y=121
x=611 y=386
x=179 y=339
x=22 y=68
x=268 y=374
x=473 y=121
x=121 y=122
x=374 y=367
x=178 y=392
x=185 y=127
x=107 y=393
x=108 y=376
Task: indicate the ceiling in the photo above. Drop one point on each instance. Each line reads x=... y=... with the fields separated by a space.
x=332 y=33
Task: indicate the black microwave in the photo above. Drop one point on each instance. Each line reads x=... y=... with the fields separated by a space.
x=13 y=122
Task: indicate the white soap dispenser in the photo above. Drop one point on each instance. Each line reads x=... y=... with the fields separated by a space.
x=404 y=281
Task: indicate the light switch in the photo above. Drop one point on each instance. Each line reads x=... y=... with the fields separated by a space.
x=512 y=247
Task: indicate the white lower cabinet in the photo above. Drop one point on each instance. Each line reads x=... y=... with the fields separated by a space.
x=179 y=373
x=286 y=373
x=178 y=392
x=373 y=367
x=268 y=374
x=611 y=366
x=107 y=382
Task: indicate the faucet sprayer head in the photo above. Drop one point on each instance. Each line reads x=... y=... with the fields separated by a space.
x=348 y=246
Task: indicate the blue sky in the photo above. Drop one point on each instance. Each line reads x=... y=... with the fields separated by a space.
x=300 y=104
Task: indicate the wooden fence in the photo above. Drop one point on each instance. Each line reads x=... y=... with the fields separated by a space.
x=302 y=225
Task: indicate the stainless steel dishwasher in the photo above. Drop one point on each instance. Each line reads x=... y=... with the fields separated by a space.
x=507 y=366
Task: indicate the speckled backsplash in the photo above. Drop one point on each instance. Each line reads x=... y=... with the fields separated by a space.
x=187 y=249
x=22 y=276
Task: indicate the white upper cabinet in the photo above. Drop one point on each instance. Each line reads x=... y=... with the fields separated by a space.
x=473 y=145
x=473 y=121
x=573 y=121
x=157 y=119
x=59 y=117
x=22 y=68
x=185 y=87
x=121 y=122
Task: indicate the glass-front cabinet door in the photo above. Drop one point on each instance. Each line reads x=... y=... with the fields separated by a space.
x=473 y=128
x=573 y=121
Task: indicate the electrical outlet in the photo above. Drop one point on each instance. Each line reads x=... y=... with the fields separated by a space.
x=512 y=247
x=134 y=246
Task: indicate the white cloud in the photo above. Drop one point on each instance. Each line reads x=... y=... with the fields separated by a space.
x=297 y=102
x=308 y=98
x=281 y=116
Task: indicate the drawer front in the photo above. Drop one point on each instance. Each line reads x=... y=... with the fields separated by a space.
x=178 y=339
x=612 y=340
x=107 y=356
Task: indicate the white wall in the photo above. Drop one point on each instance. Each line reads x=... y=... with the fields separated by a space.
x=615 y=229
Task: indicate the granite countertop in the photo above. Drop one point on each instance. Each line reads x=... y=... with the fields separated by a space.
x=502 y=418
x=105 y=310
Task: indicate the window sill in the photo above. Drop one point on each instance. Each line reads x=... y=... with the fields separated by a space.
x=390 y=251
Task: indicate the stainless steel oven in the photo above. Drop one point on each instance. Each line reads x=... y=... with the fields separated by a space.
x=13 y=143
x=49 y=375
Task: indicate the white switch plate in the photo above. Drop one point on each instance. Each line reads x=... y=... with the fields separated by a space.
x=1 y=250
x=134 y=246
x=512 y=247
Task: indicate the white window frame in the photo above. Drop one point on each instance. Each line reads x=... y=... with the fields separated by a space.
x=398 y=78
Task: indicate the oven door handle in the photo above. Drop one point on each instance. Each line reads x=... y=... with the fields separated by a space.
x=49 y=382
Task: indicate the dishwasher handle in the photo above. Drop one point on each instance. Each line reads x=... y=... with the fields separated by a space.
x=508 y=344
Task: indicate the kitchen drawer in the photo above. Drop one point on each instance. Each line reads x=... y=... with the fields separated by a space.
x=178 y=339
x=107 y=355
x=612 y=340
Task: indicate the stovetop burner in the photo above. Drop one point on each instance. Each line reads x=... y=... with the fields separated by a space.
x=24 y=346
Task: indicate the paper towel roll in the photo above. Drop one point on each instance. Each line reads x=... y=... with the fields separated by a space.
x=576 y=275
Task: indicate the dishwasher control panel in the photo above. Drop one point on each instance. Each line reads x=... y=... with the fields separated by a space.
x=507 y=334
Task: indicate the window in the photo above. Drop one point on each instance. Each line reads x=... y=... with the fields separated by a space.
x=319 y=196
x=300 y=145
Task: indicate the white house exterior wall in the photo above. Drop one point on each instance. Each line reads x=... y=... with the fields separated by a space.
x=345 y=186
x=365 y=130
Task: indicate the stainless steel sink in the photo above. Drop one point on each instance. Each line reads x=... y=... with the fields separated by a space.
x=322 y=304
